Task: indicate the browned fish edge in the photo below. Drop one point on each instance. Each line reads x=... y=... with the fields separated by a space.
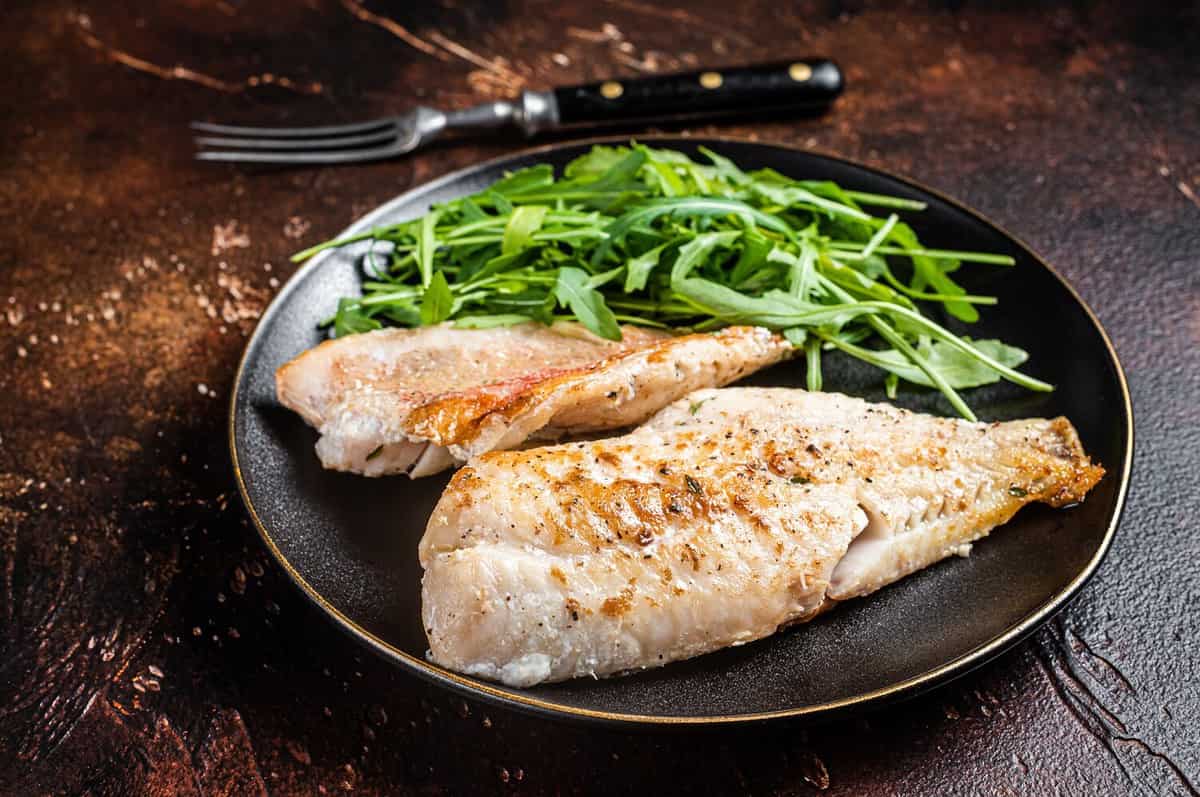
x=457 y=418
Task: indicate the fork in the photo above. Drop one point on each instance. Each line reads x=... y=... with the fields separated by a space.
x=810 y=83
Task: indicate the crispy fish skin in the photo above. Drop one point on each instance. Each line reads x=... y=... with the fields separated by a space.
x=420 y=400
x=357 y=391
x=620 y=390
x=726 y=516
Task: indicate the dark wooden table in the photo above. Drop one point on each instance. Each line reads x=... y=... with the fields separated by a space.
x=149 y=645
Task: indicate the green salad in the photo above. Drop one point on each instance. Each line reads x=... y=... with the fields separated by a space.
x=637 y=235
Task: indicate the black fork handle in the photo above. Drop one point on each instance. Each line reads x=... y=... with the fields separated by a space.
x=802 y=83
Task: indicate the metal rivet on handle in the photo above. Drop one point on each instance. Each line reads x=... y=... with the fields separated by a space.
x=611 y=89
x=711 y=80
x=799 y=72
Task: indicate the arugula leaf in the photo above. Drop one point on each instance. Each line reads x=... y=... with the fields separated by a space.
x=860 y=283
x=957 y=368
x=646 y=212
x=598 y=160
x=775 y=310
x=692 y=253
x=522 y=224
x=620 y=174
x=605 y=190
x=637 y=270
x=478 y=268
x=927 y=268
x=437 y=302
x=796 y=336
x=726 y=169
x=788 y=196
x=406 y=315
x=586 y=303
x=472 y=212
x=802 y=278
x=755 y=252
x=524 y=180
x=499 y=201
x=600 y=280
x=350 y=319
x=668 y=181
x=426 y=244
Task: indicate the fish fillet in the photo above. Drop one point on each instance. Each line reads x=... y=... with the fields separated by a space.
x=418 y=401
x=727 y=515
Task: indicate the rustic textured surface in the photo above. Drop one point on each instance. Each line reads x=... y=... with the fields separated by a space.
x=147 y=644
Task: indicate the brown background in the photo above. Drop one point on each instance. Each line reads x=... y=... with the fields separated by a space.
x=148 y=645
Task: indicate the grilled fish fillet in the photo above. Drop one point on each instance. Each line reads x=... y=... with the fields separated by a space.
x=418 y=401
x=726 y=516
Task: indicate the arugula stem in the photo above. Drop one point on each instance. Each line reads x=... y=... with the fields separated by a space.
x=849 y=251
x=885 y=201
x=812 y=352
x=943 y=334
x=879 y=237
x=904 y=347
x=305 y=254
x=936 y=297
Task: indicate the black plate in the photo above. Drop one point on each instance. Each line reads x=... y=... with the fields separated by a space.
x=350 y=542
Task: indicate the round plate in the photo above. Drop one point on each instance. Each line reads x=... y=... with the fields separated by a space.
x=351 y=543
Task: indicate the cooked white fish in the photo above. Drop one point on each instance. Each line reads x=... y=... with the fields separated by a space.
x=728 y=515
x=420 y=400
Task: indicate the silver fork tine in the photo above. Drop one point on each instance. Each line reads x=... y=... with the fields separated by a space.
x=292 y=132
x=393 y=135
x=346 y=156
x=387 y=134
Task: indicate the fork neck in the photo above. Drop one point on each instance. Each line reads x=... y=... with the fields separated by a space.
x=532 y=112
